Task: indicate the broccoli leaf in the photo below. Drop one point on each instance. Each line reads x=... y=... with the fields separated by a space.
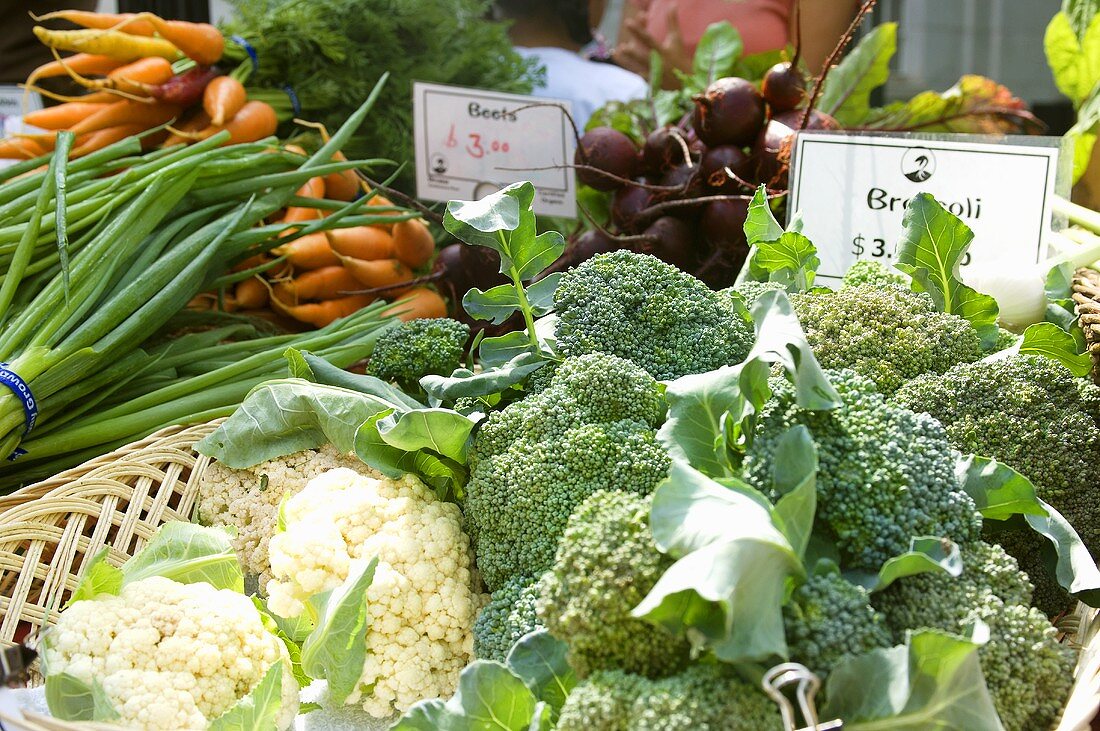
x=541 y=661
x=734 y=564
x=337 y=647
x=321 y=371
x=846 y=93
x=257 y=710
x=442 y=431
x=760 y=224
x=465 y=383
x=490 y=697
x=925 y=555
x=1072 y=46
x=71 y=699
x=934 y=681
x=482 y=222
x=795 y=479
x=187 y=553
x=1051 y=341
x=99 y=578
x=930 y=251
x=790 y=260
x=496 y=304
x=998 y=491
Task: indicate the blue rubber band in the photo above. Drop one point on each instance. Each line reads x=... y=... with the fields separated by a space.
x=240 y=41
x=294 y=103
x=19 y=387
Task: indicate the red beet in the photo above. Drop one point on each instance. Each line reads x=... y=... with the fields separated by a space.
x=662 y=150
x=729 y=112
x=461 y=267
x=784 y=87
x=674 y=242
x=723 y=224
x=713 y=168
x=185 y=89
x=771 y=153
x=627 y=203
x=685 y=178
x=607 y=150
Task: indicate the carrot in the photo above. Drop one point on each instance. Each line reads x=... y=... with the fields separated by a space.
x=254 y=121
x=139 y=77
x=251 y=294
x=82 y=63
x=413 y=243
x=320 y=314
x=127 y=112
x=62 y=116
x=187 y=132
x=250 y=263
x=313 y=188
x=101 y=21
x=344 y=185
x=96 y=97
x=418 y=303
x=362 y=242
x=382 y=201
x=296 y=149
x=20 y=148
x=103 y=137
x=320 y=284
x=111 y=43
x=309 y=252
x=200 y=42
x=222 y=98
x=377 y=273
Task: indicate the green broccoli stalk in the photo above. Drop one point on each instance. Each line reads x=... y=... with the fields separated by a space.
x=417 y=348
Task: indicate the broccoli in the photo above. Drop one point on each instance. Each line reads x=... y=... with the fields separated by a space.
x=637 y=307
x=531 y=463
x=509 y=615
x=886 y=474
x=751 y=291
x=703 y=697
x=884 y=332
x=830 y=618
x=418 y=348
x=606 y=564
x=869 y=271
x=1027 y=672
x=1031 y=413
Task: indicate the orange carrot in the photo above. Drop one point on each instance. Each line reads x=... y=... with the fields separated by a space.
x=62 y=116
x=101 y=21
x=413 y=243
x=199 y=41
x=320 y=284
x=362 y=242
x=107 y=43
x=377 y=273
x=251 y=293
x=95 y=97
x=254 y=121
x=82 y=63
x=187 y=132
x=314 y=188
x=309 y=252
x=418 y=303
x=103 y=137
x=382 y=201
x=222 y=98
x=250 y=263
x=320 y=314
x=20 y=148
x=128 y=112
x=344 y=185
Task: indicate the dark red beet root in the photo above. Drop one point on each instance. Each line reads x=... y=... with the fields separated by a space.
x=674 y=242
x=730 y=112
x=662 y=151
x=713 y=168
x=582 y=248
x=463 y=267
x=784 y=87
x=685 y=178
x=607 y=150
x=723 y=224
x=772 y=153
x=627 y=203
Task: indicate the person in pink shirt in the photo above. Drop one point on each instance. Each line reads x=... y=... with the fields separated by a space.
x=673 y=29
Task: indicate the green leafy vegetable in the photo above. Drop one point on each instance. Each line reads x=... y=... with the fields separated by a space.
x=490 y=697
x=257 y=710
x=71 y=699
x=924 y=555
x=188 y=553
x=846 y=94
x=540 y=661
x=1051 y=341
x=99 y=578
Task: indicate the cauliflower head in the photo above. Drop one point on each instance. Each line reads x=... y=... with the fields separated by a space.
x=248 y=499
x=170 y=656
x=423 y=601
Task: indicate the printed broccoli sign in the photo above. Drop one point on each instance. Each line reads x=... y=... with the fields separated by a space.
x=852 y=190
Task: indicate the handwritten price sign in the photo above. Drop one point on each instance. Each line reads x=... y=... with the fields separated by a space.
x=470 y=142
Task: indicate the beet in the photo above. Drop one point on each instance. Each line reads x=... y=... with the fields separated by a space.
x=729 y=112
x=462 y=268
x=716 y=160
x=607 y=150
x=627 y=203
x=674 y=242
x=662 y=150
x=723 y=224
x=685 y=178
x=771 y=153
x=784 y=87
x=590 y=243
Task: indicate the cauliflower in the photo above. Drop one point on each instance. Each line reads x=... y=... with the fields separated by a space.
x=244 y=500
x=168 y=655
x=423 y=601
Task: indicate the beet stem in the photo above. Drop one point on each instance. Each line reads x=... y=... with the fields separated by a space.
x=834 y=57
x=604 y=173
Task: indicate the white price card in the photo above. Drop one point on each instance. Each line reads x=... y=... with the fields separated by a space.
x=851 y=191
x=471 y=142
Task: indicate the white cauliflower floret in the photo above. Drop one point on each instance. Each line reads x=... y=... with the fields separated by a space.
x=234 y=497
x=168 y=655
x=424 y=598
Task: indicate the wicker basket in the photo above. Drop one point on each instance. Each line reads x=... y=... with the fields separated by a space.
x=48 y=531
x=1086 y=295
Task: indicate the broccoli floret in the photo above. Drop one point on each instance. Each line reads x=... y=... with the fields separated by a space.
x=509 y=615
x=1031 y=413
x=533 y=462
x=869 y=271
x=886 y=474
x=830 y=618
x=1028 y=673
x=637 y=307
x=1005 y=339
x=605 y=565
x=704 y=697
x=751 y=291
x=884 y=332
x=540 y=379
x=417 y=348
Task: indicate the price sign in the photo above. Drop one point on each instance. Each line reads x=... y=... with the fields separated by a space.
x=470 y=142
x=851 y=191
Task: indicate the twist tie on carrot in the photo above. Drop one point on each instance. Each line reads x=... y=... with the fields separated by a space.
x=19 y=387
x=248 y=48
x=294 y=103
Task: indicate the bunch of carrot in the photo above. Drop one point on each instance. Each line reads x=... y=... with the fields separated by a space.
x=150 y=74
x=317 y=278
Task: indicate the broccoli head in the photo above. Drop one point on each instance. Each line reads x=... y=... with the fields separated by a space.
x=869 y=271
x=703 y=697
x=830 y=618
x=509 y=615
x=885 y=476
x=1027 y=671
x=593 y=428
x=749 y=292
x=417 y=348
x=884 y=332
x=605 y=565
x=637 y=307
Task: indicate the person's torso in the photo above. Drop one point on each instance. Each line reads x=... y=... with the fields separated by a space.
x=764 y=24
x=588 y=85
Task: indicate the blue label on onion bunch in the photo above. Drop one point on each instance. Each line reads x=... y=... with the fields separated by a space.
x=19 y=387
